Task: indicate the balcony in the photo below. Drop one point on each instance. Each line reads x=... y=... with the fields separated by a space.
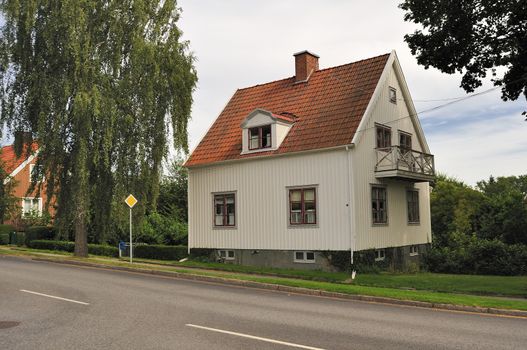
x=404 y=164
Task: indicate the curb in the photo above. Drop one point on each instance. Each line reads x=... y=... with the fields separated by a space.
x=297 y=290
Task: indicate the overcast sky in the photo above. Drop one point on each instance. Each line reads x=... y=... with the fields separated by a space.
x=240 y=43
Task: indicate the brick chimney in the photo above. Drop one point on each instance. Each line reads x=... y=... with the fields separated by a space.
x=305 y=64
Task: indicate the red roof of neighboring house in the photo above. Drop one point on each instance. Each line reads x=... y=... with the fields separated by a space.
x=9 y=160
x=328 y=107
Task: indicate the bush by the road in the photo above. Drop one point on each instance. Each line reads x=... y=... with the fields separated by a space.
x=160 y=252
x=6 y=229
x=39 y=232
x=483 y=257
x=95 y=249
x=4 y=238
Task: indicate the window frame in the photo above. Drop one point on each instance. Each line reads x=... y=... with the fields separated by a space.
x=411 y=219
x=405 y=134
x=39 y=205
x=304 y=259
x=260 y=137
x=224 y=212
x=414 y=250
x=392 y=94
x=387 y=143
x=302 y=205
x=378 y=253
x=380 y=187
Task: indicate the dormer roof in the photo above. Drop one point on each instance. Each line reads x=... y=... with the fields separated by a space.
x=326 y=111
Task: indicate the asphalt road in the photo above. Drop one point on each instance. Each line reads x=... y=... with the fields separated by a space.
x=117 y=310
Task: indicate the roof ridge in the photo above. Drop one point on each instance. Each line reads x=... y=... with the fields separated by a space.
x=320 y=70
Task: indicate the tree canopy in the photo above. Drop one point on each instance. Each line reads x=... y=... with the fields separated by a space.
x=473 y=38
x=104 y=87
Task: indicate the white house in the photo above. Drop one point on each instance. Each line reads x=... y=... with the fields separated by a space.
x=327 y=160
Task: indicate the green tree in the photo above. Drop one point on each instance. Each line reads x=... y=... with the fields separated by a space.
x=453 y=206
x=173 y=191
x=99 y=84
x=472 y=37
x=503 y=213
x=8 y=202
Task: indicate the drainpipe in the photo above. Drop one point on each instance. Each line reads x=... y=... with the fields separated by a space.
x=349 y=182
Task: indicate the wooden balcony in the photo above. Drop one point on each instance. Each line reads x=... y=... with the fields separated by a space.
x=404 y=164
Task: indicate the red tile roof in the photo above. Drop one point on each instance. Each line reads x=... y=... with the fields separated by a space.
x=8 y=159
x=329 y=108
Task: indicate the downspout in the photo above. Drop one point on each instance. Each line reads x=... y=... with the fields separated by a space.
x=349 y=182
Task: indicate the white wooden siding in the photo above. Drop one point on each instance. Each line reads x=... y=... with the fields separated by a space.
x=397 y=232
x=262 y=203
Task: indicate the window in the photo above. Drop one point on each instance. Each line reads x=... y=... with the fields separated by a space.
x=378 y=202
x=412 y=198
x=392 y=93
x=224 y=209
x=384 y=136
x=226 y=254
x=260 y=137
x=380 y=254
x=302 y=206
x=304 y=257
x=31 y=206
x=414 y=250
x=405 y=141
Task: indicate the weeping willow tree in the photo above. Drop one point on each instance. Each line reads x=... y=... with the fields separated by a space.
x=105 y=87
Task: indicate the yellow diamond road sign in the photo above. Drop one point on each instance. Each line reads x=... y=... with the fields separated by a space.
x=131 y=201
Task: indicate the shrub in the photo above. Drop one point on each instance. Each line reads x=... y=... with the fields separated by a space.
x=160 y=252
x=20 y=239
x=476 y=256
x=4 y=238
x=95 y=249
x=39 y=232
x=202 y=254
x=6 y=229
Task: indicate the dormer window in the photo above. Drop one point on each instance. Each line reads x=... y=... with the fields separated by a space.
x=264 y=131
x=260 y=137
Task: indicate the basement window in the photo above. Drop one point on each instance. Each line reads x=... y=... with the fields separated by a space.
x=380 y=254
x=414 y=250
x=304 y=257
x=226 y=254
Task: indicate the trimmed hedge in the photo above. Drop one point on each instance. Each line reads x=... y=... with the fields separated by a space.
x=161 y=252
x=20 y=239
x=95 y=249
x=4 y=238
x=39 y=233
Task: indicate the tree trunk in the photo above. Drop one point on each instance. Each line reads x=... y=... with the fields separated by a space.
x=81 y=235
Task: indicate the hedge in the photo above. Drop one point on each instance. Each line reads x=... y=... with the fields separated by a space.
x=161 y=252
x=39 y=233
x=95 y=249
x=4 y=238
x=6 y=229
x=482 y=257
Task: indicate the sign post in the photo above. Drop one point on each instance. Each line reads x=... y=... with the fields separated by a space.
x=131 y=201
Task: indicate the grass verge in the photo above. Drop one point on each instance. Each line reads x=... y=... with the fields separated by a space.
x=352 y=289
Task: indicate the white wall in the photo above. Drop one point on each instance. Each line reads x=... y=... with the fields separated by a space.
x=397 y=232
x=261 y=187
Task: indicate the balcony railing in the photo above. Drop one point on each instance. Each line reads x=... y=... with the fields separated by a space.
x=403 y=163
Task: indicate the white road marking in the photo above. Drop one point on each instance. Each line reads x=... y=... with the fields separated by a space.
x=254 y=337
x=54 y=297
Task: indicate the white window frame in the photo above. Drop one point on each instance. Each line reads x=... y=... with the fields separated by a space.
x=380 y=254
x=226 y=254
x=39 y=210
x=414 y=250
x=304 y=259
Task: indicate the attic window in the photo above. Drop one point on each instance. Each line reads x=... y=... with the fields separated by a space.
x=392 y=95
x=260 y=137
